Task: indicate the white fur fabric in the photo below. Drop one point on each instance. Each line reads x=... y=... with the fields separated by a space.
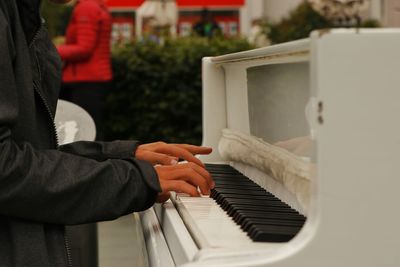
x=292 y=171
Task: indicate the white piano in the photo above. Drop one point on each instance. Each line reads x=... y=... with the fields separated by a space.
x=314 y=123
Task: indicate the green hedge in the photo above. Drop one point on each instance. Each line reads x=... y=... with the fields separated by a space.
x=156 y=92
x=56 y=17
x=299 y=24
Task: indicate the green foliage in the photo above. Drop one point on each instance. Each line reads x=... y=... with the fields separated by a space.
x=57 y=17
x=156 y=92
x=371 y=23
x=300 y=23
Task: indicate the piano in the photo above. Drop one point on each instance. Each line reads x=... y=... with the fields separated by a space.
x=306 y=139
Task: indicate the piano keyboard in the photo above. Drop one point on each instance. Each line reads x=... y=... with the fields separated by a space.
x=260 y=214
x=237 y=213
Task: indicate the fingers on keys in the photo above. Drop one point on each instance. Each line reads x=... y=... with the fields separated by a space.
x=185 y=152
x=156 y=158
x=185 y=178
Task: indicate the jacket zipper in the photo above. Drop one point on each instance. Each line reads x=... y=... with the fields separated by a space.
x=36 y=35
x=66 y=241
x=55 y=136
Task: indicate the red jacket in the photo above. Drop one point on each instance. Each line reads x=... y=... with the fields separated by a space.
x=86 y=54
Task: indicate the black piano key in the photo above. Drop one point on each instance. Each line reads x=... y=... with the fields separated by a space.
x=241 y=215
x=219 y=170
x=235 y=186
x=222 y=184
x=266 y=202
x=287 y=229
x=253 y=192
x=245 y=194
x=220 y=197
x=230 y=181
x=263 y=216
x=229 y=173
x=230 y=177
x=228 y=202
x=272 y=202
x=282 y=213
x=249 y=218
x=242 y=190
x=233 y=208
x=251 y=223
x=220 y=167
x=230 y=205
x=274 y=233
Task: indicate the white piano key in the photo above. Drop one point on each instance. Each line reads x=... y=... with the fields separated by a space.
x=213 y=222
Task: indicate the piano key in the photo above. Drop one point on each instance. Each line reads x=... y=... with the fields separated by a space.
x=254 y=203
x=225 y=182
x=258 y=212
x=212 y=221
x=241 y=214
x=228 y=202
x=243 y=190
x=235 y=188
x=220 y=197
x=223 y=171
x=274 y=233
x=250 y=223
x=243 y=217
x=234 y=208
x=231 y=177
x=255 y=192
x=222 y=183
x=237 y=203
x=266 y=202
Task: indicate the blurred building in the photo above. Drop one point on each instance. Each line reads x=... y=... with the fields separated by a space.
x=385 y=11
x=234 y=16
x=225 y=12
x=389 y=12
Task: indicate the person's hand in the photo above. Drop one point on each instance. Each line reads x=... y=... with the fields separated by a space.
x=169 y=154
x=183 y=178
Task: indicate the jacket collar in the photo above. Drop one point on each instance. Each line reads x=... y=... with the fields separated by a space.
x=29 y=12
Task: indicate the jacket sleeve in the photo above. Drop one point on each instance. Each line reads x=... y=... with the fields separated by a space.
x=86 y=15
x=101 y=151
x=52 y=186
x=55 y=187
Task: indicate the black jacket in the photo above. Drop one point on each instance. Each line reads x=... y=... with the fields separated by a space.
x=43 y=187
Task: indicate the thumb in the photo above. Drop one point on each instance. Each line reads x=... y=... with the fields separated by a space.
x=162 y=197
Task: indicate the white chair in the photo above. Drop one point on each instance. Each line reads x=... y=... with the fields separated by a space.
x=73 y=123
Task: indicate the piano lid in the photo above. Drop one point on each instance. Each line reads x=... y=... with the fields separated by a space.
x=290 y=49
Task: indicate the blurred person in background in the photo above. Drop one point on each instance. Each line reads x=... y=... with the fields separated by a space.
x=207 y=26
x=86 y=55
x=44 y=186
